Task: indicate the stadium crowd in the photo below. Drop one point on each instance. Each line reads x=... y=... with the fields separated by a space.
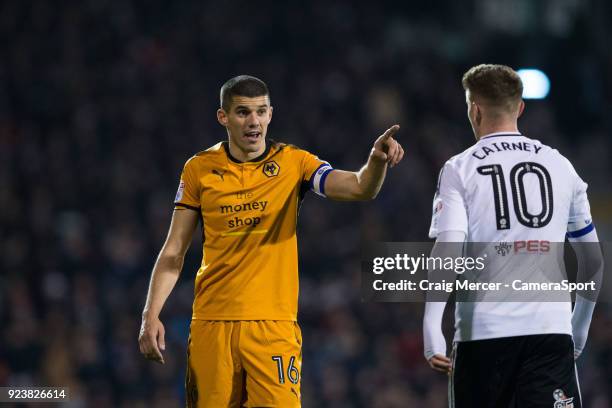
x=102 y=102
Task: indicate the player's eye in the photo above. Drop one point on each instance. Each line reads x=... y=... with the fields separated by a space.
x=262 y=112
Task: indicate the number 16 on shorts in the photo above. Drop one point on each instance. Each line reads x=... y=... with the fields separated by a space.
x=293 y=373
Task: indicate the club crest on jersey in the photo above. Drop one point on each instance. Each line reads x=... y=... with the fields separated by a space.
x=503 y=248
x=562 y=400
x=270 y=168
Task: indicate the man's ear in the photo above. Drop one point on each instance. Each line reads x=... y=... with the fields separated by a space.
x=270 y=113
x=477 y=114
x=521 y=108
x=222 y=117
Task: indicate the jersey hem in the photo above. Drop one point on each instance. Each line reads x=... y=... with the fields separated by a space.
x=244 y=318
x=535 y=332
x=190 y=207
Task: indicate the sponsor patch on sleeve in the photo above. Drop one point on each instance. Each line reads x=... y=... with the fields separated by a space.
x=179 y=192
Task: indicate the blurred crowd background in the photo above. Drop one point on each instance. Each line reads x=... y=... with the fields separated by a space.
x=102 y=102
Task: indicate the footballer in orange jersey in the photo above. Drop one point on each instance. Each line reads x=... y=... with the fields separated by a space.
x=245 y=345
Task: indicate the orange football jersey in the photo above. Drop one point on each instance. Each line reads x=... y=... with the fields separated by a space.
x=249 y=267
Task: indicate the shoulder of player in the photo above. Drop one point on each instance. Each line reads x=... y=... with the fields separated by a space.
x=549 y=150
x=280 y=148
x=216 y=149
x=459 y=158
x=284 y=147
x=456 y=162
x=545 y=148
x=561 y=158
x=208 y=156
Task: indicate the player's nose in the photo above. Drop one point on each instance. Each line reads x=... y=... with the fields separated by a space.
x=252 y=120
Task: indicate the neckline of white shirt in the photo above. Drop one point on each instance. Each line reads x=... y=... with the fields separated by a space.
x=500 y=134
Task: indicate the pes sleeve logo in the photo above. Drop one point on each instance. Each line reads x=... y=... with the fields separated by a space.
x=271 y=168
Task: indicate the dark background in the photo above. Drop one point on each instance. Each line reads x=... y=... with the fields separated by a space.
x=102 y=102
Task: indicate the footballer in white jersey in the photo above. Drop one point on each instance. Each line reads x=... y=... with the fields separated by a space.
x=521 y=194
x=511 y=189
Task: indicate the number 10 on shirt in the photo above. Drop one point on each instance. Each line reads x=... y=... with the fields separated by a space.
x=500 y=196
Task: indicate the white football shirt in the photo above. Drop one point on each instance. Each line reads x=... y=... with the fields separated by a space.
x=508 y=188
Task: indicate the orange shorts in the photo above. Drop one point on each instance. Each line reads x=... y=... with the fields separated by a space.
x=244 y=364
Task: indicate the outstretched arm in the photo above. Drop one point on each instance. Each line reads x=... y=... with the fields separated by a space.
x=366 y=183
x=163 y=278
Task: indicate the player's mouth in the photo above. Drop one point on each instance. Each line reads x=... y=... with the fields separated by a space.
x=252 y=136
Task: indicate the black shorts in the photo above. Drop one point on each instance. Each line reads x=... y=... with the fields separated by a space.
x=524 y=371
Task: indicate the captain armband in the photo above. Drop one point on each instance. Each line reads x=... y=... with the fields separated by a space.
x=317 y=181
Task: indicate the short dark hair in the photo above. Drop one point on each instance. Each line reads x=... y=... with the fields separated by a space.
x=498 y=85
x=242 y=85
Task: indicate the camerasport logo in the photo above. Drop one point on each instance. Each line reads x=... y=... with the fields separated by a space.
x=562 y=400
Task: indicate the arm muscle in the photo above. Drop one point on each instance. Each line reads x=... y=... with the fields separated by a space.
x=170 y=260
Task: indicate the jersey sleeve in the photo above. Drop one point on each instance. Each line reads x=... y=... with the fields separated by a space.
x=188 y=193
x=314 y=172
x=579 y=221
x=449 y=210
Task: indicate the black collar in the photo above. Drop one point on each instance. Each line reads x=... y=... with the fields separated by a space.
x=269 y=144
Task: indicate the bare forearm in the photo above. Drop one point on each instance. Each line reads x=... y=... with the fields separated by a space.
x=163 y=278
x=165 y=275
x=371 y=177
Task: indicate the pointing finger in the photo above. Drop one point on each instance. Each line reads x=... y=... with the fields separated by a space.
x=385 y=136
x=390 y=132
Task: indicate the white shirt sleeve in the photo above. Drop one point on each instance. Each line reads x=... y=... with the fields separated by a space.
x=433 y=337
x=579 y=221
x=449 y=209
